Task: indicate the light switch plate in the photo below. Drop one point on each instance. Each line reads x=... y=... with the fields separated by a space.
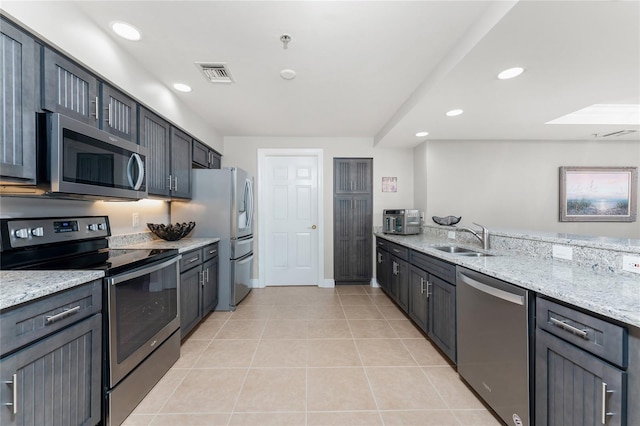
x=562 y=252
x=135 y=220
x=631 y=264
x=451 y=235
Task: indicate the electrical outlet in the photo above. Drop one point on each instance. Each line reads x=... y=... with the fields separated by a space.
x=563 y=252
x=451 y=235
x=631 y=264
x=135 y=220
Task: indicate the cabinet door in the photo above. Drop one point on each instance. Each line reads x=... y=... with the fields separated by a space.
x=69 y=89
x=400 y=282
x=19 y=80
x=216 y=160
x=382 y=269
x=210 y=286
x=57 y=381
x=442 y=320
x=201 y=155
x=180 y=164
x=353 y=175
x=418 y=297
x=190 y=296
x=353 y=238
x=154 y=135
x=119 y=114
x=574 y=388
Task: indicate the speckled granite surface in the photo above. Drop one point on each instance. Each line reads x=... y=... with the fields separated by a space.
x=18 y=287
x=184 y=245
x=614 y=295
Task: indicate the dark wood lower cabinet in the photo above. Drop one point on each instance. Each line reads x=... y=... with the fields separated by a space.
x=442 y=315
x=55 y=381
x=198 y=286
x=400 y=281
x=418 y=297
x=190 y=294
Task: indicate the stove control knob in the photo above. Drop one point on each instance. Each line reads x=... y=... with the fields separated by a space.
x=37 y=232
x=21 y=233
x=92 y=227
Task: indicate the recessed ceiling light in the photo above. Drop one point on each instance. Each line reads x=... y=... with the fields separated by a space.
x=126 y=31
x=182 y=87
x=510 y=73
x=422 y=134
x=288 y=74
x=602 y=114
x=454 y=112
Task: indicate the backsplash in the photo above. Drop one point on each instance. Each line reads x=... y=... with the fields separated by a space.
x=597 y=253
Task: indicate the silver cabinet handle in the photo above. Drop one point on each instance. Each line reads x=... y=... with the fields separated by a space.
x=201 y=275
x=428 y=284
x=175 y=186
x=14 y=394
x=396 y=250
x=67 y=312
x=109 y=118
x=193 y=259
x=213 y=251
x=170 y=182
x=421 y=285
x=604 y=403
x=207 y=271
x=568 y=327
x=395 y=268
x=379 y=257
x=96 y=109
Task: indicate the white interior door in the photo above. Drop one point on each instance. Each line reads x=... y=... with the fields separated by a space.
x=289 y=185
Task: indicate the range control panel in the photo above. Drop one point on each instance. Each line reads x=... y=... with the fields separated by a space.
x=18 y=233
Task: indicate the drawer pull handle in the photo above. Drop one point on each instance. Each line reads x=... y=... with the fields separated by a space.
x=569 y=327
x=213 y=251
x=64 y=314
x=14 y=394
x=193 y=259
x=604 y=403
x=396 y=250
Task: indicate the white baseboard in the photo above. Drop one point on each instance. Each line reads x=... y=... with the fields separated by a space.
x=328 y=283
x=256 y=283
x=374 y=283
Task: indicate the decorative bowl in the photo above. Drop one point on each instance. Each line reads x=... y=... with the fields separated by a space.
x=171 y=232
x=447 y=220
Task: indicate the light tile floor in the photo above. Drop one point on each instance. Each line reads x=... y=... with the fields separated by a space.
x=310 y=356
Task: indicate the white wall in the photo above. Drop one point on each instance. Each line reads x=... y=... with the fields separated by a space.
x=242 y=152
x=120 y=213
x=60 y=24
x=513 y=184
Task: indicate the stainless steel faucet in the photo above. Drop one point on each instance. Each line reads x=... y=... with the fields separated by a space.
x=484 y=239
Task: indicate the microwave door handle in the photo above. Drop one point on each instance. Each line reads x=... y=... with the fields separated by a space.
x=135 y=157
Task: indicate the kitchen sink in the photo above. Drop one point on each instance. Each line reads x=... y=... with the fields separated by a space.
x=461 y=251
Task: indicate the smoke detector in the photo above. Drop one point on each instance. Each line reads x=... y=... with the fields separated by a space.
x=215 y=72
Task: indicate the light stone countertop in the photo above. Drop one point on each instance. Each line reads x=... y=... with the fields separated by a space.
x=615 y=296
x=184 y=245
x=18 y=287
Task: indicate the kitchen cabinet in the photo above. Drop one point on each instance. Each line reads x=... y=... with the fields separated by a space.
x=198 y=286
x=419 y=297
x=580 y=363
x=168 y=157
x=54 y=374
x=205 y=157
x=353 y=221
x=69 y=89
x=19 y=62
x=382 y=264
x=400 y=281
x=119 y=114
x=353 y=175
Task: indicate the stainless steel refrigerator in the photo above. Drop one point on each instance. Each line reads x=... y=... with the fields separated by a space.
x=222 y=206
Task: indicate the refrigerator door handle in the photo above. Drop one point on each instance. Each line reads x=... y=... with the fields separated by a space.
x=249 y=202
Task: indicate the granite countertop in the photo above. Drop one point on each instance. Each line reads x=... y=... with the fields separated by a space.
x=184 y=245
x=615 y=296
x=18 y=287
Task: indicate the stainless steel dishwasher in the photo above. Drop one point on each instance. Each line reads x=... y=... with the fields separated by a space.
x=494 y=343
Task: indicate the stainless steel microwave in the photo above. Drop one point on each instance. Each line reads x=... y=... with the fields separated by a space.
x=76 y=160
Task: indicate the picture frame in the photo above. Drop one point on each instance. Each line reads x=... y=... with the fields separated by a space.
x=598 y=194
x=389 y=184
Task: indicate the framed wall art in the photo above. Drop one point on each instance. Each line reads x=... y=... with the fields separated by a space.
x=598 y=194
x=389 y=184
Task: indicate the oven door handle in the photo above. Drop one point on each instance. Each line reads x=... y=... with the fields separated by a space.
x=115 y=280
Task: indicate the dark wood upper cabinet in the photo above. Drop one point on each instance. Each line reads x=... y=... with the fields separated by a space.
x=353 y=175
x=205 y=157
x=119 y=114
x=19 y=62
x=155 y=136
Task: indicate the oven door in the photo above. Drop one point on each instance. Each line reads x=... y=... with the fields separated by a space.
x=142 y=311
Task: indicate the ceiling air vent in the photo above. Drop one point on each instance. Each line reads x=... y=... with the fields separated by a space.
x=215 y=72
x=614 y=134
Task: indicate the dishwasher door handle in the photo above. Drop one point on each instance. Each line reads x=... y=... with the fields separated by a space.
x=496 y=292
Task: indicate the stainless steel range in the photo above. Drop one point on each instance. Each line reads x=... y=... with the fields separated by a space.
x=140 y=298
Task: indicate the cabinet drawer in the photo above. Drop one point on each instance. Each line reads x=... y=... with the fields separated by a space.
x=434 y=266
x=398 y=250
x=600 y=337
x=24 y=324
x=210 y=251
x=190 y=259
x=382 y=243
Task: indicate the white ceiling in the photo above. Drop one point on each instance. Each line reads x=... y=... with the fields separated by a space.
x=388 y=69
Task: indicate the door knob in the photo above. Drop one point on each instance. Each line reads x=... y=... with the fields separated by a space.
x=313 y=227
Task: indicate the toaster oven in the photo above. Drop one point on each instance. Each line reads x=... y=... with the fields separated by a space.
x=402 y=222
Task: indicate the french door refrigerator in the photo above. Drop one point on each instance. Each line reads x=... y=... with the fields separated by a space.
x=222 y=206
